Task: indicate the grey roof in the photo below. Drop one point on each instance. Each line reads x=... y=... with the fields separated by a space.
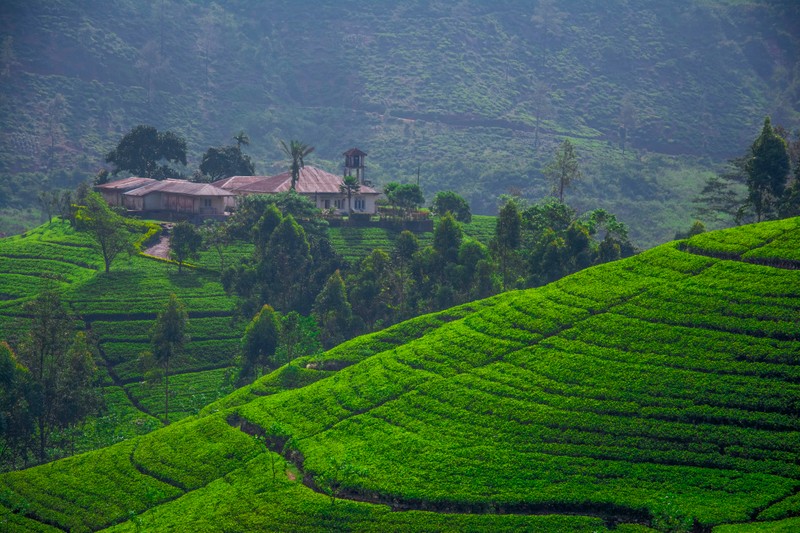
x=312 y=180
x=125 y=184
x=183 y=187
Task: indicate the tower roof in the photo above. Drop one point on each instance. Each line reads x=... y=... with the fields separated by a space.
x=354 y=151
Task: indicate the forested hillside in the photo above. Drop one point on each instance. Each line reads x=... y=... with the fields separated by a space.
x=658 y=391
x=474 y=96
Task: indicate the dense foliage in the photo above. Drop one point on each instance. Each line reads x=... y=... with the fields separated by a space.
x=660 y=391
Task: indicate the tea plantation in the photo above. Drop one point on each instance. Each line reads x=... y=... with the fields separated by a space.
x=119 y=309
x=660 y=392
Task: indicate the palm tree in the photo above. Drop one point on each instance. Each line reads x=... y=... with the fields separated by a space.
x=297 y=151
x=350 y=185
x=241 y=138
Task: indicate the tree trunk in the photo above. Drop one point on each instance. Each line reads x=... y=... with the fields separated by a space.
x=166 y=391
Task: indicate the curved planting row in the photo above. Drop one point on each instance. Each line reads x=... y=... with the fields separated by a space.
x=535 y=401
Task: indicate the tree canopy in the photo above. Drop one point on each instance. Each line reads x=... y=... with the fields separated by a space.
x=185 y=243
x=449 y=201
x=146 y=152
x=225 y=161
x=106 y=227
x=767 y=170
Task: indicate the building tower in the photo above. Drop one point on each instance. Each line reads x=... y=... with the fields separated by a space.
x=354 y=165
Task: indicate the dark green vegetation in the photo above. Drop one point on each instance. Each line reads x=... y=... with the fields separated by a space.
x=660 y=390
x=118 y=309
x=474 y=95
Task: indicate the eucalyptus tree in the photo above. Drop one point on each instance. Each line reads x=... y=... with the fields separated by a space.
x=167 y=338
x=563 y=170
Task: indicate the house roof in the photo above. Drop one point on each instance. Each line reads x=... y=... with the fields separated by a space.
x=354 y=151
x=312 y=180
x=186 y=188
x=123 y=185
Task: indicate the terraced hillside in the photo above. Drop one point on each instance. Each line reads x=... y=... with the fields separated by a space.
x=661 y=391
x=119 y=308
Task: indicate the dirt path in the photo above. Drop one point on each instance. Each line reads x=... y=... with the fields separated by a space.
x=161 y=248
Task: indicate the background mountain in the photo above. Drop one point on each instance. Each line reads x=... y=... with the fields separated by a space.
x=470 y=95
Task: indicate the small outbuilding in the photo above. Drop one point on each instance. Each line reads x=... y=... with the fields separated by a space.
x=112 y=191
x=177 y=196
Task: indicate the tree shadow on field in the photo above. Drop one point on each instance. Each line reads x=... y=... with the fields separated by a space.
x=186 y=279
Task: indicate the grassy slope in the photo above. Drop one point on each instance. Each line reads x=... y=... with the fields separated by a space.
x=662 y=389
x=119 y=309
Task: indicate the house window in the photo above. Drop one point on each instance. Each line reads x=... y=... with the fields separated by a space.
x=327 y=204
x=338 y=204
x=359 y=204
x=206 y=202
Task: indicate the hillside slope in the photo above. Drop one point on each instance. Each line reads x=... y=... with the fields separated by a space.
x=661 y=390
x=476 y=95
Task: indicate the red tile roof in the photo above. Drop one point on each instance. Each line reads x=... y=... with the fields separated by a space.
x=312 y=180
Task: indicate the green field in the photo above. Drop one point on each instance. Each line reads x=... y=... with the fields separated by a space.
x=119 y=308
x=661 y=391
x=356 y=243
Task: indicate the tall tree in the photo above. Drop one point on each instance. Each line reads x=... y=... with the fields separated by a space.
x=17 y=400
x=406 y=196
x=167 y=338
x=371 y=294
x=447 y=238
x=350 y=186
x=287 y=264
x=767 y=170
x=449 y=201
x=723 y=195
x=185 y=242
x=106 y=227
x=62 y=369
x=215 y=236
x=333 y=312
x=297 y=152
x=507 y=238
x=226 y=161
x=563 y=170
x=142 y=149
x=405 y=247
x=259 y=342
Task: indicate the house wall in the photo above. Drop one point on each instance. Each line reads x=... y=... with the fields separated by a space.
x=212 y=205
x=152 y=201
x=134 y=203
x=328 y=201
x=112 y=197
